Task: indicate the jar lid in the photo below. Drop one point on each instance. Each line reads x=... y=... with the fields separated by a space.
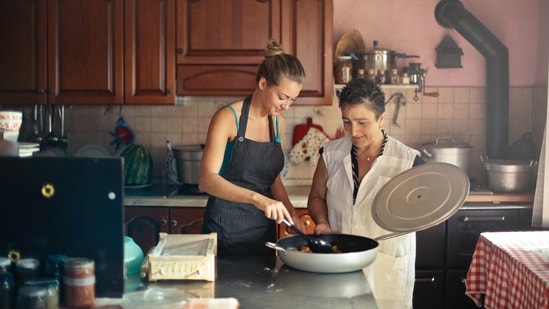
x=28 y=263
x=78 y=263
x=32 y=291
x=4 y=262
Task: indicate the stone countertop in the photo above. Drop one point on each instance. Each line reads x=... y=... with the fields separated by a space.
x=299 y=195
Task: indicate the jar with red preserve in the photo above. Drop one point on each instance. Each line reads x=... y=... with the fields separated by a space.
x=79 y=282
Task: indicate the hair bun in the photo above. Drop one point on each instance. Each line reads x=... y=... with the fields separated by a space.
x=273 y=48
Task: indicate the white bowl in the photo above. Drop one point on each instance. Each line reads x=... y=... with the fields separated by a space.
x=10 y=120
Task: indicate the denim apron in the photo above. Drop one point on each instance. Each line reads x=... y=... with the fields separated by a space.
x=241 y=228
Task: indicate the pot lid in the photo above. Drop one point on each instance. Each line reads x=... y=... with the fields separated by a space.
x=420 y=197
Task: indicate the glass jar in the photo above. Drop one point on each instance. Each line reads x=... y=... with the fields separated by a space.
x=52 y=291
x=371 y=75
x=343 y=69
x=5 y=264
x=26 y=269
x=395 y=79
x=32 y=297
x=380 y=77
x=7 y=290
x=79 y=282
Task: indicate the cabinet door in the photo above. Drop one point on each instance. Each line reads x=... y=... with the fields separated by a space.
x=149 y=49
x=431 y=247
x=307 y=33
x=143 y=224
x=304 y=216
x=23 y=52
x=85 y=51
x=221 y=43
x=465 y=227
x=429 y=289
x=455 y=291
x=186 y=220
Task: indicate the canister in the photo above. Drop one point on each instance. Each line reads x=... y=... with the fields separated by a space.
x=343 y=69
x=79 y=282
x=52 y=290
x=7 y=290
x=32 y=297
x=26 y=269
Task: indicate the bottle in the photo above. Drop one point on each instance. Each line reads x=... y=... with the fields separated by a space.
x=79 y=282
x=380 y=77
x=361 y=74
x=395 y=79
x=371 y=76
x=405 y=79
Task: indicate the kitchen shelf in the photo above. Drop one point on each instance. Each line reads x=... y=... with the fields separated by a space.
x=339 y=87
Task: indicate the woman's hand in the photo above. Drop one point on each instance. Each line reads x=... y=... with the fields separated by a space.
x=273 y=209
x=323 y=228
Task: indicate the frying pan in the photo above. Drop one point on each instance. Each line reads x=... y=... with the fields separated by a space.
x=413 y=200
x=357 y=253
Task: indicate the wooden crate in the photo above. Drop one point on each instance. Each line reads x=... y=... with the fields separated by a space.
x=182 y=257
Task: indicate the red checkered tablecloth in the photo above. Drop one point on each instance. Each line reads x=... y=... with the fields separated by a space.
x=510 y=270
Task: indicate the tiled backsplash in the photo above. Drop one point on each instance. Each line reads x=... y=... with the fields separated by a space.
x=458 y=112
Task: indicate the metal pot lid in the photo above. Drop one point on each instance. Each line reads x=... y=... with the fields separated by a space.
x=420 y=197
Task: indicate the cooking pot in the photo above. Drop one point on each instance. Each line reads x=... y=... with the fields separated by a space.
x=379 y=59
x=448 y=150
x=357 y=253
x=509 y=175
x=187 y=159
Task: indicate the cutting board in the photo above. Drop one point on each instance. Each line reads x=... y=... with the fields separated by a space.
x=301 y=130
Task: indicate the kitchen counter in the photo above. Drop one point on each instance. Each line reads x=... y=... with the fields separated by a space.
x=299 y=194
x=265 y=282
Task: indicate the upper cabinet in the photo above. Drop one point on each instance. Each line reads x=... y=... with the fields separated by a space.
x=221 y=43
x=87 y=52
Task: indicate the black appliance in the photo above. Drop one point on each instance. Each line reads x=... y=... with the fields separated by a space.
x=69 y=206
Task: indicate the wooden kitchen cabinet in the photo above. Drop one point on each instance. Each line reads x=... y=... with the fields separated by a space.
x=144 y=223
x=221 y=43
x=444 y=252
x=87 y=52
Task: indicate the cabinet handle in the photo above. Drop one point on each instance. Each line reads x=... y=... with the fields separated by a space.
x=163 y=221
x=179 y=50
x=169 y=91
x=484 y=219
x=425 y=280
x=41 y=91
x=174 y=222
x=306 y=222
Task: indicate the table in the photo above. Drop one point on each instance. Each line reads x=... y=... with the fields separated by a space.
x=510 y=270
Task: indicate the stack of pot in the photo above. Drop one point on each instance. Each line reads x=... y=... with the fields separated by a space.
x=448 y=150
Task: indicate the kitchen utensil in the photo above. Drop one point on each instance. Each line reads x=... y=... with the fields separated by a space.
x=448 y=150
x=509 y=175
x=317 y=245
x=420 y=198
x=170 y=165
x=301 y=130
x=187 y=159
x=123 y=133
x=357 y=253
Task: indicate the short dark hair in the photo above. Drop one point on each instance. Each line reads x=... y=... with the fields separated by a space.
x=278 y=64
x=363 y=91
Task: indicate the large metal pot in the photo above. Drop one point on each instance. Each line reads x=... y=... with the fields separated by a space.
x=357 y=253
x=379 y=59
x=448 y=150
x=509 y=175
x=187 y=159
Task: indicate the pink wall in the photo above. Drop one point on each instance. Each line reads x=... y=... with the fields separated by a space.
x=410 y=27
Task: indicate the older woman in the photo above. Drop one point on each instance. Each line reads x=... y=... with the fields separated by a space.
x=350 y=172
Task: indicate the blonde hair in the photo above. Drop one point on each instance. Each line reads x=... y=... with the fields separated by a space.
x=278 y=64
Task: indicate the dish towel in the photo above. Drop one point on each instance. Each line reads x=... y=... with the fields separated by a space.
x=308 y=147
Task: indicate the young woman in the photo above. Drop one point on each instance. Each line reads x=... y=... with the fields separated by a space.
x=243 y=157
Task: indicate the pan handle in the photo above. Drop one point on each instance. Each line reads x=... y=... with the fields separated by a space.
x=390 y=235
x=278 y=248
